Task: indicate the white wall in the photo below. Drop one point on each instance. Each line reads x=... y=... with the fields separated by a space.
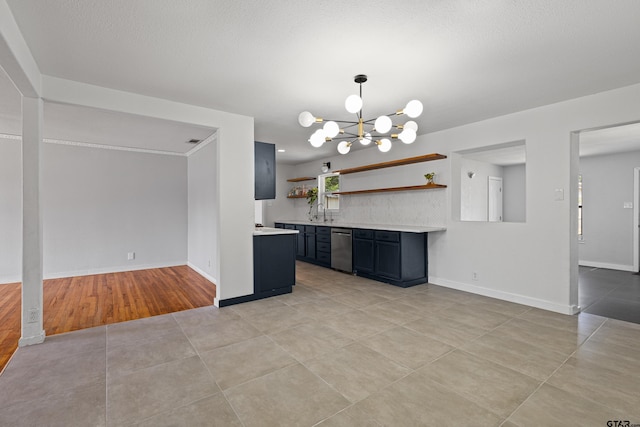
x=514 y=190
x=474 y=192
x=534 y=262
x=607 y=183
x=281 y=207
x=203 y=232
x=101 y=204
x=10 y=211
x=234 y=169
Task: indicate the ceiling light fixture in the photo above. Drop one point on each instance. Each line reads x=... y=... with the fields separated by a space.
x=364 y=131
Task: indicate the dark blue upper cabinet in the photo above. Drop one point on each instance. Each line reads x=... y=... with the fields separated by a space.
x=265 y=170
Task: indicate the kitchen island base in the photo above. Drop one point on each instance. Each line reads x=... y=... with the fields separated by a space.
x=274 y=266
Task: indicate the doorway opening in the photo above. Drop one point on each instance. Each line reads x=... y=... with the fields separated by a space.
x=606 y=218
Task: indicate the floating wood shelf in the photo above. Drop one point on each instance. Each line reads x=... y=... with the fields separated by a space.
x=385 y=190
x=392 y=163
x=303 y=178
x=299 y=196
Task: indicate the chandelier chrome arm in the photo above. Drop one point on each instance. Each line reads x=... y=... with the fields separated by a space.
x=378 y=133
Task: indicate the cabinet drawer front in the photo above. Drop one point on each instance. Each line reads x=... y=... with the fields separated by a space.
x=363 y=234
x=324 y=257
x=388 y=236
x=387 y=259
x=278 y=225
x=323 y=247
x=323 y=230
x=290 y=226
x=309 y=228
x=323 y=238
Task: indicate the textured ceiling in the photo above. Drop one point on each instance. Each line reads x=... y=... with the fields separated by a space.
x=72 y=123
x=271 y=59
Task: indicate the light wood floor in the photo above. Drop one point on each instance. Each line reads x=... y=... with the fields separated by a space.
x=74 y=303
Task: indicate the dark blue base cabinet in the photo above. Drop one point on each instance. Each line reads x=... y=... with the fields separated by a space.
x=274 y=264
x=313 y=243
x=274 y=267
x=394 y=257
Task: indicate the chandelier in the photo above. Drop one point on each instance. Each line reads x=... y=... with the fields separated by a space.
x=363 y=131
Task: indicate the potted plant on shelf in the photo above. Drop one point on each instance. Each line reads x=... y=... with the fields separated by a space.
x=430 y=176
x=312 y=196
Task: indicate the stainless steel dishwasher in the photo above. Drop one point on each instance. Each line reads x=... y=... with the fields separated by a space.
x=341 y=249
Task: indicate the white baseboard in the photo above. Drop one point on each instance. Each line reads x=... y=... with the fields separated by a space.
x=37 y=339
x=607 y=265
x=113 y=269
x=116 y=269
x=519 y=299
x=4 y=280
x=203 y=273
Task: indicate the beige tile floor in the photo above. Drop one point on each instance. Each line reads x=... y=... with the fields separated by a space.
x=338 y=351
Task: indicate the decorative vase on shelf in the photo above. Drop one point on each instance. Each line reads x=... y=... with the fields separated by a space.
x=430 y=177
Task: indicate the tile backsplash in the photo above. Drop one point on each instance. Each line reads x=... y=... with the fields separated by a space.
x=425 y=208
x=402 y=208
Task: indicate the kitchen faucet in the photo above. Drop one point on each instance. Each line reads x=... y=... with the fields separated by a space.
x=324 y=212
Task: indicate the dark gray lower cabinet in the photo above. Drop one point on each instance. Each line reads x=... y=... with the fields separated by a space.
x=274 y=264
x=301 y=247
x=310 y=241
x=313 y=243
x=274 y=267
x=323 y=246
x=387 y=259
x=394 y=257
x=363 y=255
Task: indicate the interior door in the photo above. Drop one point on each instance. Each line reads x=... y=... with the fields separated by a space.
x=495 y=199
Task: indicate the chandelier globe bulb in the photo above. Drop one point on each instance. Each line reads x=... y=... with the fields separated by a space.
x=331 y=129
x=317 y=138
x=411 y=125
x=353 y=103
x=407 y=136
x=413 y=108
x=383 y=124
x=306 y=119
x=344 y=147
x=384 y=145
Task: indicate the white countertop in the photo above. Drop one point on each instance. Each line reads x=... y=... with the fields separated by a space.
x=265 y=231
x=389 y=227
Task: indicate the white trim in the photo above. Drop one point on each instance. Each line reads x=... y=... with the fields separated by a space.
x=506 y=296
x=211 y=138
x=607 y=265
x=106 y=147
x=114 y=269
x=202 y=273
x=37 y=339
x=636 y=221
x=111 y=147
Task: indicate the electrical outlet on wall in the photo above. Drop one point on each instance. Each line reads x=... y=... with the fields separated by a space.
x=131 y=256
x=33 y=315
x=474 y=275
